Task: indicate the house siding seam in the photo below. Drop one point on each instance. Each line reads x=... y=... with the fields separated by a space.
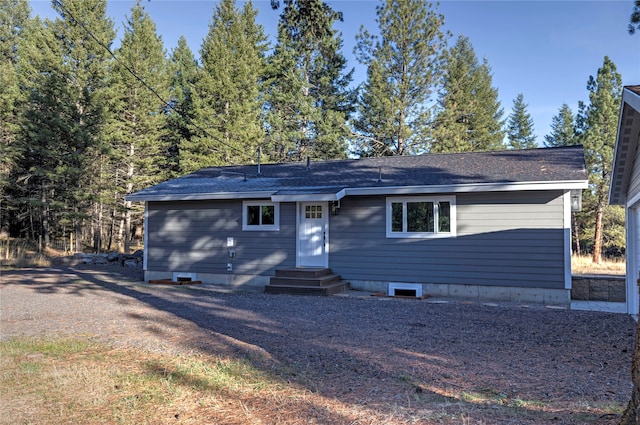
x=503 y=239
x=192 y=237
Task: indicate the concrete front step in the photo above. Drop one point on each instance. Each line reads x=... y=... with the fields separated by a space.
x=305 y=281
x=304 y=272
x=334 y=288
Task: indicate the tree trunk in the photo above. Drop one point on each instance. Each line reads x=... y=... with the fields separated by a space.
x=97 y=235
x=631 y=415
x=127 y=204
x=77 y=229
x=112 y=227
x=45 y=217
x=597 y=236
x=120 y=237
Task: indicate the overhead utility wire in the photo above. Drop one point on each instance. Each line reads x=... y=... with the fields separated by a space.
x=144 y=83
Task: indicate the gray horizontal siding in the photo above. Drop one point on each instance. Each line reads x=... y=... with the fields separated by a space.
x=503 y=239
x=192 y=237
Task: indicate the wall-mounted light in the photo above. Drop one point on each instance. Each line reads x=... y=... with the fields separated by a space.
x=335 y=207
x=576 y=200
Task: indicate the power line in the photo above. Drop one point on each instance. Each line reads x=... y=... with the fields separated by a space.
x=147 y=86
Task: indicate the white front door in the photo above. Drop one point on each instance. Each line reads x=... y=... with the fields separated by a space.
x=313 y=223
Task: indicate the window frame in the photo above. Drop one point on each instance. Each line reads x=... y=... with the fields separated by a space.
x=260 y=227
x=436 y=213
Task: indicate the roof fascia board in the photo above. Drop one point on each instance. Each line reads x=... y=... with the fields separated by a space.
x=309 y=197
x=473 y=187
x=631 y=98
x=394 y=190
x=201 y=196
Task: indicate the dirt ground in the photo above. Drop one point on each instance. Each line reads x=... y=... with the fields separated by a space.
x=400 y=360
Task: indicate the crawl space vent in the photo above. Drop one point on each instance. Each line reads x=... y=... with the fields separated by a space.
x=183 y=277
x=405 y=290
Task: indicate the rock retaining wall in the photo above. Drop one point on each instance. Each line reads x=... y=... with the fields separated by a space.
x=599 y=288
x=125 y=260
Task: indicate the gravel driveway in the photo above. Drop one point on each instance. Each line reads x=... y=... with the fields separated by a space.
x=361 y=349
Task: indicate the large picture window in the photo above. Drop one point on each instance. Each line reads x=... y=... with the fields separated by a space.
x=260 y=215
x=421 y=217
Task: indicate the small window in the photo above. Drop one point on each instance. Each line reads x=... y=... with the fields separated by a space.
x=260 y=215
x=421 y=217
x=313 y=211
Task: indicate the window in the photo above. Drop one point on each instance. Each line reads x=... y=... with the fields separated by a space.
x=313 y=211
x=260 y=215
x=421 y=217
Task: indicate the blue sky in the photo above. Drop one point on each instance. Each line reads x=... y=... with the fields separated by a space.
x=544 y=49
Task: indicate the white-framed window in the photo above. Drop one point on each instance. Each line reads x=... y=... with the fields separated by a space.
x=421 y=217
x=260 y=215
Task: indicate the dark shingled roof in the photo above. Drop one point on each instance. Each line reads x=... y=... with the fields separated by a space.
x=564 y=164
x=635 y=89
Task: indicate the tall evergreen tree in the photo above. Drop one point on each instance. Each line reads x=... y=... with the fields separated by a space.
x=403 y=66
x=563 y=133
x=520 y=126
x=227 y=105
x=139 y=115
x=184 y=71
x=308 y=99
x=598 y=126
x=14 y=18
x=67 y=110
x=563 y=129
x=634 y=20
x=469 y=115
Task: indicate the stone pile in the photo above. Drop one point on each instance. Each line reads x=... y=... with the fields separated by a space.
x=125 y=260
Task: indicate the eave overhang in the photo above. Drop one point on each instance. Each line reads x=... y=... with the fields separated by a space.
x=335 y=194
x=205 y=196
x=626 y=145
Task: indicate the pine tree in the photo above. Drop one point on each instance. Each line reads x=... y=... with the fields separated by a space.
x=184 y=71
x=14 y=18
x=139 y=117
x=563 y=129
x=563 y=133
x=469 y=116
x=634 y=20
x=227 y=106
x=66 y=69
x=598 y=124
x=308 y=99
x=520 y=126
x=403 y=66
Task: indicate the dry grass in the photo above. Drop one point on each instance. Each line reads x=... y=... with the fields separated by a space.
x=23 y=253
x=69 y=381
x=608 y=266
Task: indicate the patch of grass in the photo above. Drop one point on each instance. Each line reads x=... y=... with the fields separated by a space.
x=584 y=265
x=66 y=381
x=69 y=381
x=483 y=396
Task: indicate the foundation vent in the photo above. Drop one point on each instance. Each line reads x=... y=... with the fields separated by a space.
x=397 y=289
x=183 y=277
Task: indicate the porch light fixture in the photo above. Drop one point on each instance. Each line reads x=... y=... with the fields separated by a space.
x=335 y=207
x=576 y=200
